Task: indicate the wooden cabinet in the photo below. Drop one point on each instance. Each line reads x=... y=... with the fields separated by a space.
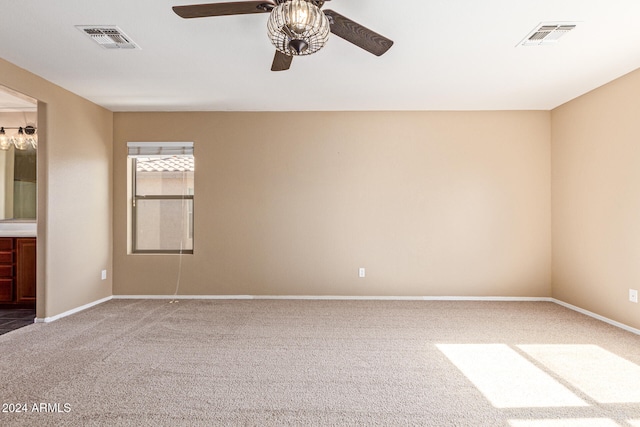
x=17 y=271
x=7 y=268
x=26 y=270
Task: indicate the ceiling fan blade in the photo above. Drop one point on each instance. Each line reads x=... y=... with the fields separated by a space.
x=281 y=62
x=222 y=9
x=357 y=34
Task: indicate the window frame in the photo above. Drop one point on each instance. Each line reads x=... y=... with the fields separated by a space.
x=134 y=215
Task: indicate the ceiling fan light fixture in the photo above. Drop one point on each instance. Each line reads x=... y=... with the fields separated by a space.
x=298 y=27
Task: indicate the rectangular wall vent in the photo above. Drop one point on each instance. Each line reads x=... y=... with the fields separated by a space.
x=108 y=36
x=547 y=33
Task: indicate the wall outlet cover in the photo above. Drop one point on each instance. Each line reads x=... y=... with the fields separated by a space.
x=633 y=295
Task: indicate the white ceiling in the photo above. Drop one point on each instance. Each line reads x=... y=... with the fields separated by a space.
x=448 y=55
x=11 y=101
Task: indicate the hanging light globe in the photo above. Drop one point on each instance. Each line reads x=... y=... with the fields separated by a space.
x=5 y=141
x=20 y=140
x=298 y=27
x=31 y=137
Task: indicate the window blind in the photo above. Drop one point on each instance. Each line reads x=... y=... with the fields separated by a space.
x=151 y=149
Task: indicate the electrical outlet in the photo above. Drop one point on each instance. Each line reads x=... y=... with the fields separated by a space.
x=103 y=274
x=361 y=272
x=633 y=295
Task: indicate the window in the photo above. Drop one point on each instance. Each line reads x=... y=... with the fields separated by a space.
x=162 y=197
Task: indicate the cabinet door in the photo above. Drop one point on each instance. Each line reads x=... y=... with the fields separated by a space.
x=6 y=269
x=6 y=290
x=25 y=269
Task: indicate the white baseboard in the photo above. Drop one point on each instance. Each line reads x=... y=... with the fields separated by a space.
x=72 y=311
x=332 y=297
x=343 y=297
x=184 y=297
x=596 y=316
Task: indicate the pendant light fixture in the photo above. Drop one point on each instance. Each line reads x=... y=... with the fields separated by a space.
x=298 y=27
x=25 y=138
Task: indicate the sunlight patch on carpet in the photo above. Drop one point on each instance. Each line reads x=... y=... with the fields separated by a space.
x=571 y=422
x=506 y=378
x=602 y=375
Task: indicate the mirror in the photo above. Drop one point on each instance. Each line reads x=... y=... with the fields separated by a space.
x=18 y=166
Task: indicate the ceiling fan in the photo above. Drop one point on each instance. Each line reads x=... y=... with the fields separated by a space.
x=295 y=27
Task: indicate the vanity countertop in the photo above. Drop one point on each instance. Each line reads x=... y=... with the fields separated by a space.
x=18 y=229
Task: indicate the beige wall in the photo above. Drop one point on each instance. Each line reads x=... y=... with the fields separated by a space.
x=430 y=203
x=596 y=200
x=74 y=193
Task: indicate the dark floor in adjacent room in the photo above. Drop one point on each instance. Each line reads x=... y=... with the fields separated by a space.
x=11 y=319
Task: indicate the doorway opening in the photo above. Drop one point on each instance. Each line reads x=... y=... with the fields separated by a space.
x=18 y=208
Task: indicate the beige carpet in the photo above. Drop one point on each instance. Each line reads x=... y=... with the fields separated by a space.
x=284 y=362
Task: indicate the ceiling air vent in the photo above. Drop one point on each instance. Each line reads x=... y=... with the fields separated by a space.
x=547 y=33
x=108 y=36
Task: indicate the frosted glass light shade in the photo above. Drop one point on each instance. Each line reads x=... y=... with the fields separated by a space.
x=5 y=142
x=20 y=140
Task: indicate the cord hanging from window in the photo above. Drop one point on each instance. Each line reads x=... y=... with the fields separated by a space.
x=175 y=293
